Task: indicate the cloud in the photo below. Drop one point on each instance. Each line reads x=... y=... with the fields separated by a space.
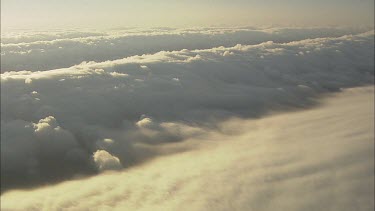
x=28 y=81
x=35 y=51
x=46 y=124
x=52 y=127
x=106 y=161
x=318 y=159
x=30 y=149
x=144 y=123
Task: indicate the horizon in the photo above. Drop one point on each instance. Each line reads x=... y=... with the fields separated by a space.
x=44 y=14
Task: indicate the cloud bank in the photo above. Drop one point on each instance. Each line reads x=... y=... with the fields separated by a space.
x=320 y=159
x=57 y=49
x=70 y=122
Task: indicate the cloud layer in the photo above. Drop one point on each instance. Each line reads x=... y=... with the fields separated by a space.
x=64 y=123
x=320 y=159
x=57 y=49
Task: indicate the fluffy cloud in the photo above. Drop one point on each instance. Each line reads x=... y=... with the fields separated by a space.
x=144 y=123
x=29 y=149
x=320 y=159
x=106 y=161
x=54 y=121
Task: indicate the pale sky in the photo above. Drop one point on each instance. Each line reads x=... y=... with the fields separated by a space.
x=182 y=13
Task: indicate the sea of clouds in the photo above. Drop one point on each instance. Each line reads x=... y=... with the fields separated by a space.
x=46 y=50
x=319 y=159
x=79 y=103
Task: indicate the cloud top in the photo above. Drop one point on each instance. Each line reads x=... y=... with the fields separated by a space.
x=106 y=161
x=320 y=159
x=35 y=51
x=54 y=122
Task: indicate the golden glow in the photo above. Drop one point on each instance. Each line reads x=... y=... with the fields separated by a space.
x=96 y=13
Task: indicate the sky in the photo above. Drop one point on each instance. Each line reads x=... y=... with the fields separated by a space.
x=170 y=13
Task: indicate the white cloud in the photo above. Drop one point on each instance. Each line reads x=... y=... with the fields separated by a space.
x=106 y=161
x=144 y=123
x=144 y=67
x=116 y=74
x=48 y=123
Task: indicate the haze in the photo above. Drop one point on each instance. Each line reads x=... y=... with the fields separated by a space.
x=169 y=13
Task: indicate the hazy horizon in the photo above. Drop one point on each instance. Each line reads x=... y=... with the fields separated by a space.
x=44 y=14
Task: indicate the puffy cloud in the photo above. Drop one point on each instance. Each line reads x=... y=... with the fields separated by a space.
x=34 y=152
x=46 y=124
x=54 y=125
x=319 y=159
x=106 y=161
x=144 y=123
